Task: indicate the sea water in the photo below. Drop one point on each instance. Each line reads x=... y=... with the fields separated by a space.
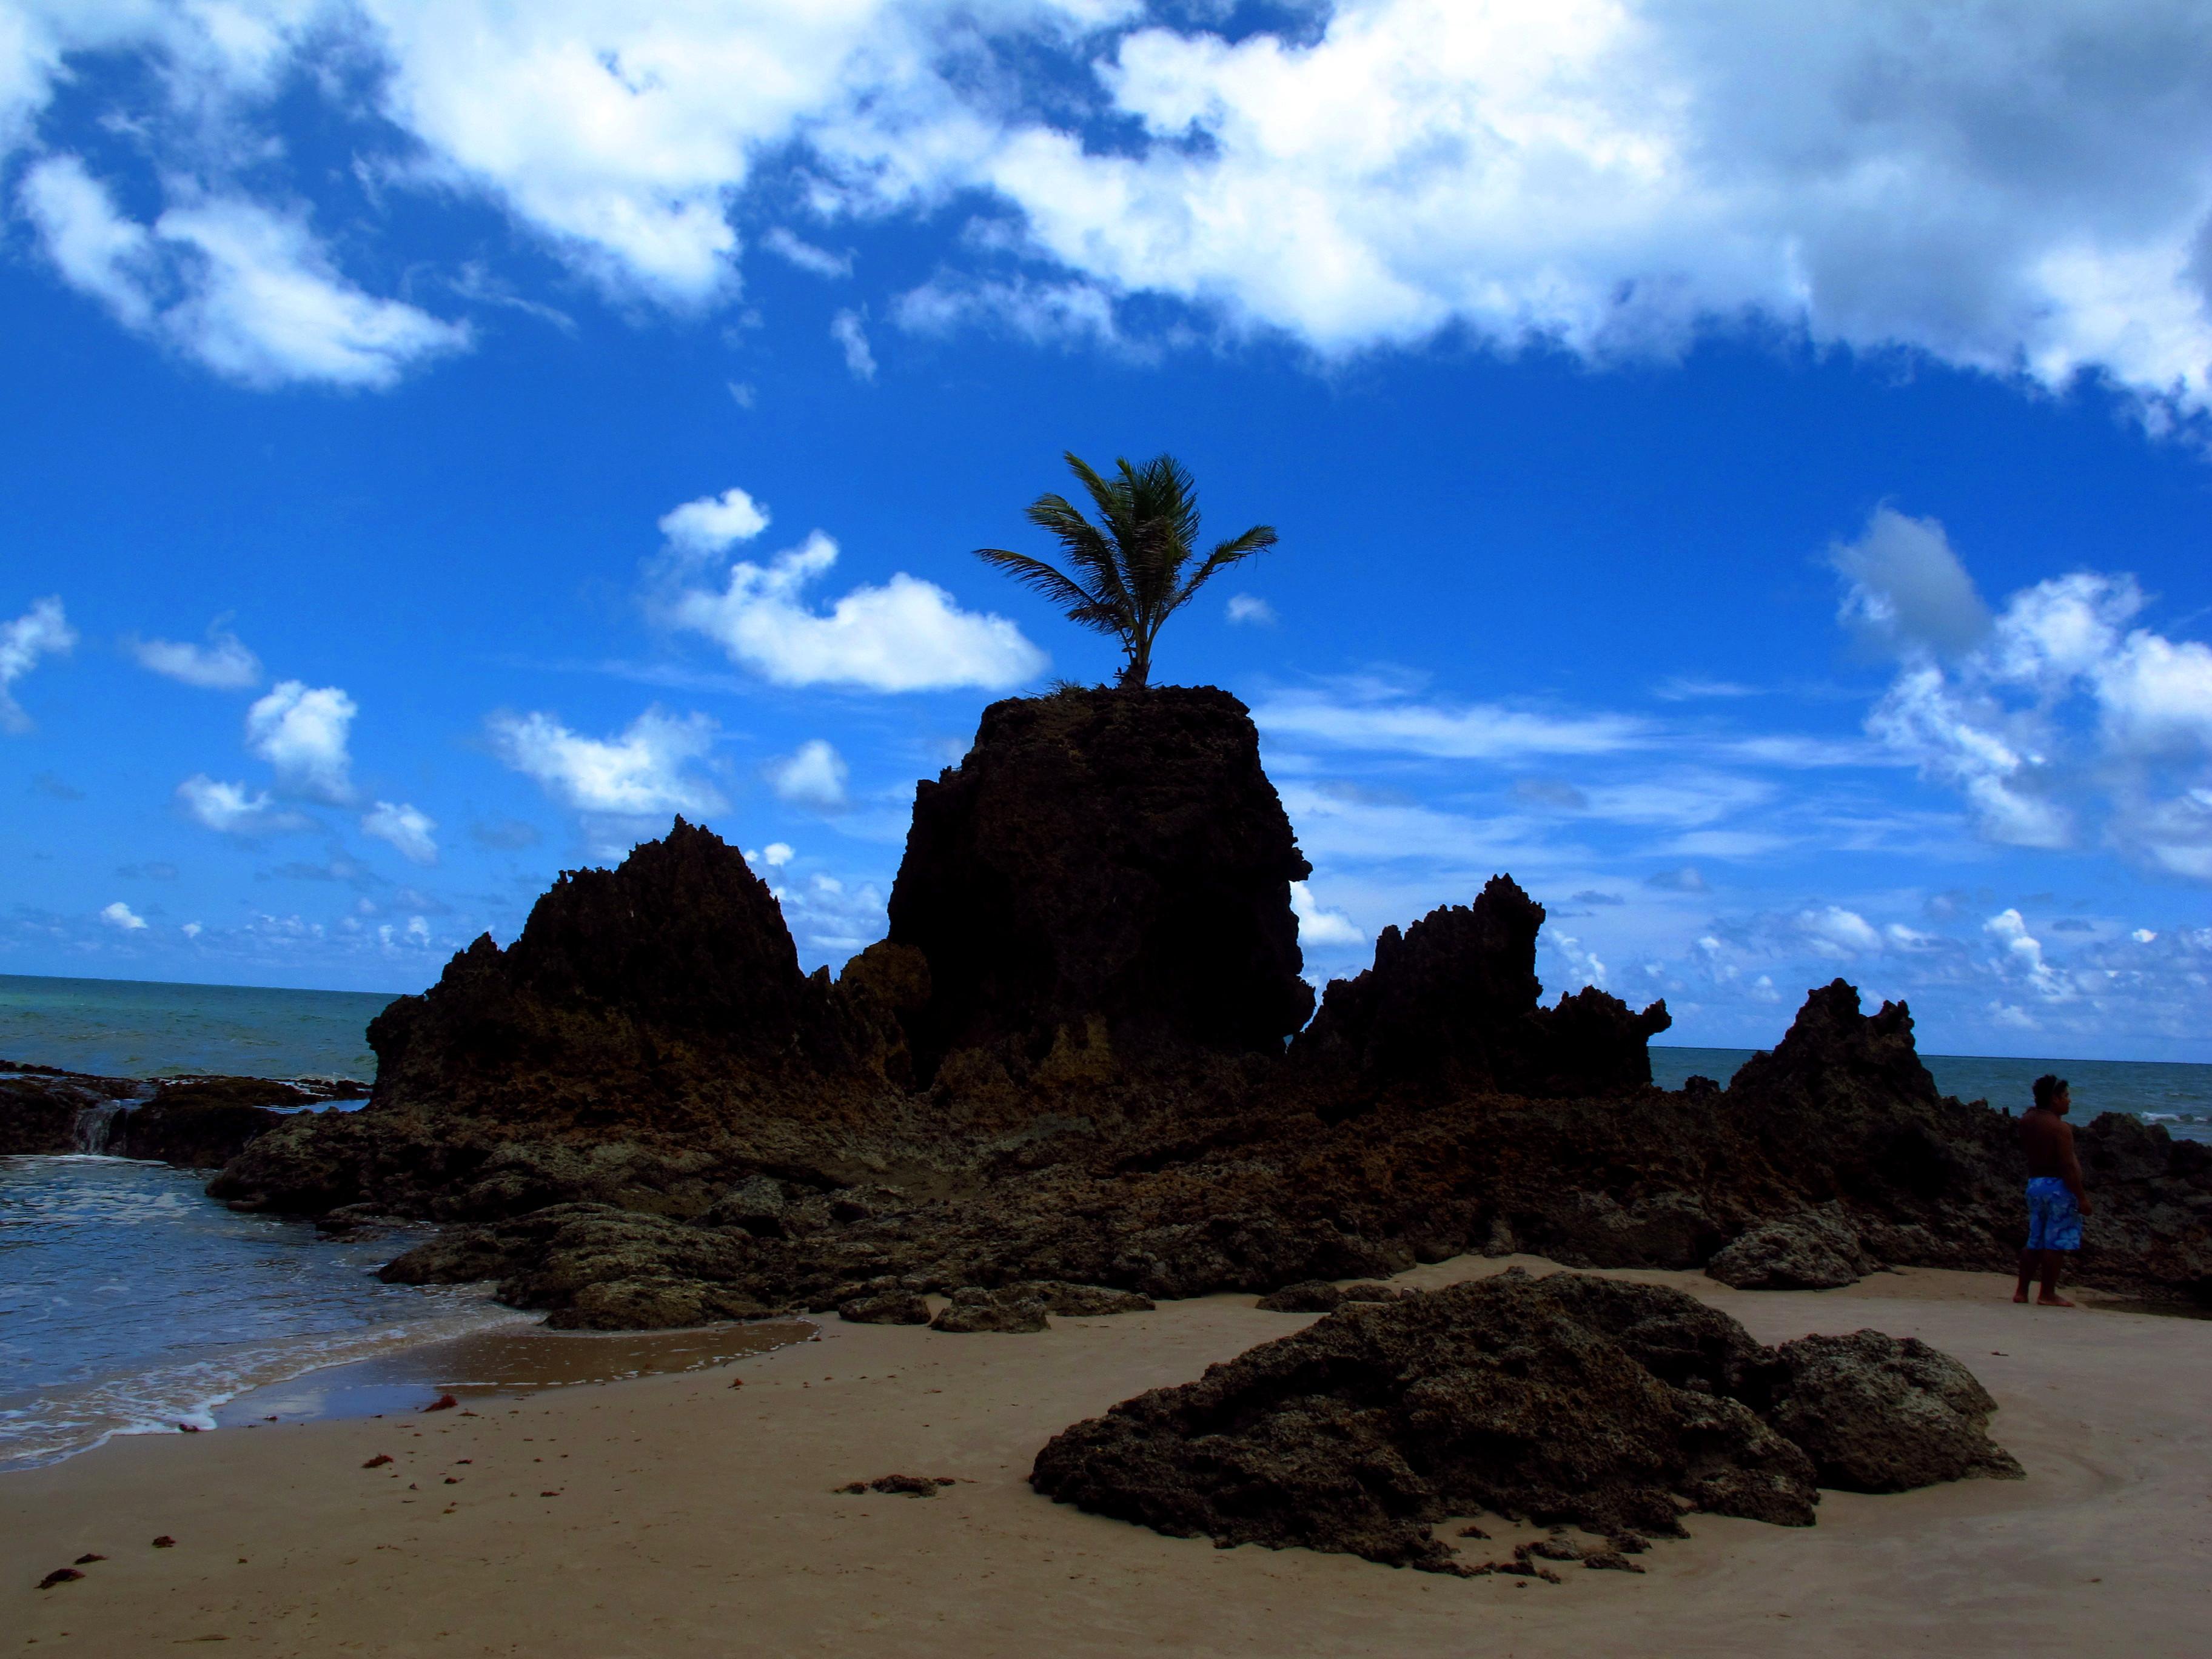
x=144 y=1028
x=2175 y=1096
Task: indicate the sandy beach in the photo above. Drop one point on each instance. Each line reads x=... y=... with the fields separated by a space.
x=696 y=1514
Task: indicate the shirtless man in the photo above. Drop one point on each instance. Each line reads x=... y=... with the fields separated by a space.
x=2055 y=1202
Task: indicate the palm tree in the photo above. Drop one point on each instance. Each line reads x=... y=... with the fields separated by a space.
x=1127 y=570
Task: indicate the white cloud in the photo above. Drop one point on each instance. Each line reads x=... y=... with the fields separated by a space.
x=406 y=828
x=777 y=854
x=121 y=915
x=245 y=288
x=1042 y=313
x=41 y=631
x=223 y=664
x=1250 y=609
x=230 y=809
x=1369 y=715
x=807 y=257
x=1907 y=590
x=191 y=930
x=644 y=772
x=1833 y=931
x=2023 y=954
x=813 y=776
x=1610 y=176
x=852 y=338
x=2143 y=936
x=302 y=733
x=1319 y=928
x=907 y=635
x=712 y=522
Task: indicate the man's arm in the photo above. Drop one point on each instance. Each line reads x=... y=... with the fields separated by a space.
x=2073 y=1165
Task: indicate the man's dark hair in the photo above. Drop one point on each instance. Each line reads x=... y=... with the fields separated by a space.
x=2048 y=1088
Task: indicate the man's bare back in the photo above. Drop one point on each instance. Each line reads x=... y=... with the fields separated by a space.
x=2048 y=1140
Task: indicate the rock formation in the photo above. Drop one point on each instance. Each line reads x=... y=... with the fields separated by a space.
x=1106 y=870
x=1813 y=1250
x=1452 y=1002
x=646 y=1113
x=1566 y=1400
x=198 y=1122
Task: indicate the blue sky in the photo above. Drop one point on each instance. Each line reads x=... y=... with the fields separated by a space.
x=1749 y=483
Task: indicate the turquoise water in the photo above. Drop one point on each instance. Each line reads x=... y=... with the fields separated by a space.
x=142 y=1027
x=2178 y=1096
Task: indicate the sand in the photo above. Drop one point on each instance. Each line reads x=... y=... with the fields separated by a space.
x=696 y=1518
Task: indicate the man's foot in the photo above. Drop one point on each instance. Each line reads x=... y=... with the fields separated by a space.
x=2053 y=1302
x=2020 y=1295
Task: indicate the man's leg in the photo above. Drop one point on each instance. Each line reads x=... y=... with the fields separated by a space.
x=2027 y=1266
x=2050 y=1299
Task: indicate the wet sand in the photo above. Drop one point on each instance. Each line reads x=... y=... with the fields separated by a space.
x=694 y=1513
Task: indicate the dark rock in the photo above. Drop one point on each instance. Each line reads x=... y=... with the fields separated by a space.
x=1105 y=878
x=1081 y=1301
x=1609 y=1560
x=1014 y=1310
x=886 y=1307
x=199 y=1122
x=60 y=1575
x=1319 y=1296
x=1451 y=1002
x=756 y=1205
x=1879 y=1414
x=904 y=1485
x=1362 y=1430
x=1813 y=1250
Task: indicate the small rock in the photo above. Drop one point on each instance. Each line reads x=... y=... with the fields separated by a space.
x=1609 y=1560
x=60 y=1576
x=444 y=1402
x=1006 y=1311
x=1878 y=1413
x=165 y=1542
x=1813 y=1250
x=88 y=1560
x=378 y=1462
x=1319 y=1296
x=908 y=1485
x=886 y=1307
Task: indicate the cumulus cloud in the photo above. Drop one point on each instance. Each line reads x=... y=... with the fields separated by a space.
x=1835 y=932
x=231 y=809
x=408 y=828
x=1320 y=929
x=2023 y=955
x=1250 y=609
x=223 y=664
x=851 y=338
x=648 y=770
x=813 y=776
x=41 y=631
x=1906 y=589
x=712 y=524
x=907 y=635
x=245 y=288
x=1610 y=177
x=122 y=916
x=2066 y=713
x=302 y=733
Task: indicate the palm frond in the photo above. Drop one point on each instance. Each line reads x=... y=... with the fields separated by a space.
x=1082 y=606
x=1237 y=549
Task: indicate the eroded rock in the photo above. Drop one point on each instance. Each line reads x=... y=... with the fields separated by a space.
x=1813 y=1250
x=1878 y=1413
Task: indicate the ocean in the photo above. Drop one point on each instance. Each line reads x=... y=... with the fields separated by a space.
x=131 y=1303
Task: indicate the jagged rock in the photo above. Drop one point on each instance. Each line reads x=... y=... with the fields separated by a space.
x=1319 y=1296
x=1879 y=1414
x=1014 y=1309
x=1813 y=1250
x=886 y=1307
x=198 y=1122
x=756 y=1205
x=1452 y=1003
x=1529 y=1398
x=1105 y=878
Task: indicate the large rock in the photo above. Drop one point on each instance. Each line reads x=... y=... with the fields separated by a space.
x=1107 y=873
x=1813 y=1250
x=1453 y=1002
x=1545 y=1400
x=1878 y=1414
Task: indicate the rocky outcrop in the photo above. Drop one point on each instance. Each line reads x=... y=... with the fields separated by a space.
x=1878 y=1414
x=198 y=1122
x=1452 y=1003
x=1568 y=1399
x=1316 y=1296
x=1104 y=879
x=1812 y=1250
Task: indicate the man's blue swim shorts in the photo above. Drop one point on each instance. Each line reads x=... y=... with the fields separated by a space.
x=2054 y=1219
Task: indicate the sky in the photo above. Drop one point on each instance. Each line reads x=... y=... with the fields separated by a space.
x=1742 y=471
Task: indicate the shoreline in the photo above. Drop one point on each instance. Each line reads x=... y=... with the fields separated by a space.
x=694 y=1506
